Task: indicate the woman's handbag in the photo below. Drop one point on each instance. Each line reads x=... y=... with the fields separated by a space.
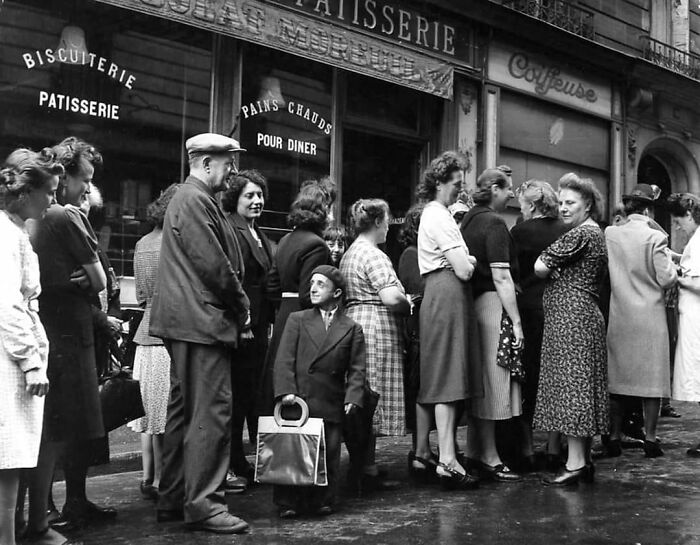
x=291 y=452
x=508 y=356
x=120 y=396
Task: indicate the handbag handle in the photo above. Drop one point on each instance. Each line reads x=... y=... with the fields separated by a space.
x=292 y=423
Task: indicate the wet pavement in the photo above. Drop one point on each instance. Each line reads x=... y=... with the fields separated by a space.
x=633 y=501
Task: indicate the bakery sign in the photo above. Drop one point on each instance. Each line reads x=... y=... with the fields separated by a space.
x=401 y=57
x=541 y=76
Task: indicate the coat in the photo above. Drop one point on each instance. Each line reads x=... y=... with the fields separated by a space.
x=325 y=368
x=199 y=295
x=638 y=344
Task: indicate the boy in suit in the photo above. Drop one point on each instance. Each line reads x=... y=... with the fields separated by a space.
x=321 y=358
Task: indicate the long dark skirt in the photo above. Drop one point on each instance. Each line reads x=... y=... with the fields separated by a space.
x=72 y=411
x=450 y=365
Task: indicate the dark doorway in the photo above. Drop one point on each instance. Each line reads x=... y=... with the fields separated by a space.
x=376 y=166
x=652 y=171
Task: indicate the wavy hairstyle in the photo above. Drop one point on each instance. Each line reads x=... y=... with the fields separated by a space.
x=439 y=171
x=679 y=204
x=542 y=195
x=310 y=209
x=365 y=213
x=155 y=211
x=588 y=191
x=25 y=170
x=237 y=182
x=408 y=234
x=72 y=150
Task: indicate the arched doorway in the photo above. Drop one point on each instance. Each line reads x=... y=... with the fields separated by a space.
x=652 y=171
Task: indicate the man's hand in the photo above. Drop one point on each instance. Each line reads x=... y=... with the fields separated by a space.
x=115 y=326
x=288 y=400
x=350 y=408
x=37 y=383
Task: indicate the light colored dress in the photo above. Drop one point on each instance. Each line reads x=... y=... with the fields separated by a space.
x=151 y=360
x=367 y=270
x=686 y=375
x=23 y=346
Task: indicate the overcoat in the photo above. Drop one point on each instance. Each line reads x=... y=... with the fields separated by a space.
x=325 y=368
x=199 y=295
x=638 y=344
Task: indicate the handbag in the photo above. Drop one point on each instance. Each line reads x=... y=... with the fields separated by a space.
x=120 y=396
x=291 y=452
x=508 y=356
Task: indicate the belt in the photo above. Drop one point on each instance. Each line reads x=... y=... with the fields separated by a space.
x=290 y=295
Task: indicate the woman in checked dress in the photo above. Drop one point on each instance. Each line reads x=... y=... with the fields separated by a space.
x=375 y=298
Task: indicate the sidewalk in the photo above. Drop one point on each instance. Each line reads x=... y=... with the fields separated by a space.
x=634 y=500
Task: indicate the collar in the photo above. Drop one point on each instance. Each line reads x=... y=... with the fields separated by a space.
x=638 y=217
x=192 y=180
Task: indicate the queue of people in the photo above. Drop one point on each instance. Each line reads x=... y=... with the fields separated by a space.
x=479 y=325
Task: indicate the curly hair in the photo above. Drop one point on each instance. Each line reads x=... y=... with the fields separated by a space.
x=408 y=234
x=439 y=171
x=71 y=151
x=325 y=184
x=365 y=213
x=679 y=204
x=588 y=191
x=542 y=195
x=237 y=182
x=336 y=232
x=155 y=211
x=23 y=171
x=310 y=209
x=486 y=180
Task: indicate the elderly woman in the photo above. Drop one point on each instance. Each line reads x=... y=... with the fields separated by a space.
x=298 y=253
x=151 y=360
x=572 y=396
x=539 y=206
x=244 y=202
x=685 y=213
x=375 y=299
x=489 y=241
x=28 y=183
x=449 y=368
x=70 y=271
x=638 y=342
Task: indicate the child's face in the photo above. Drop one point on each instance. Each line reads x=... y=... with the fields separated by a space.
x=322 y=290
x=337 y=249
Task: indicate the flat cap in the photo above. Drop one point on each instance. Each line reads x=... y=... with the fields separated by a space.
x=210 y=142
x=332 y=273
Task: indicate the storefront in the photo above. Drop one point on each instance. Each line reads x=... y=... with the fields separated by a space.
x=544 y=118
x=358 y=90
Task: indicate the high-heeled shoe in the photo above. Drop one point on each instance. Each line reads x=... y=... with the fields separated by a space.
x=148 y=491
x=565 y=477
x=451 y=479
x=422 y=469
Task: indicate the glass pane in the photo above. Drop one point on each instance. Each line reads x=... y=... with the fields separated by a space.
x=285 y=122
x=134 y=86
x=383 y=103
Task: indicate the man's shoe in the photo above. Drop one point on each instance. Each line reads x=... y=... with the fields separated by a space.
x=169 y=515
x=669 y=412
x=325 y=510
x=500 y=473
x=84 y=512
x=288 y=514
x=235 y=484
x=629 y=442
x=221 y=523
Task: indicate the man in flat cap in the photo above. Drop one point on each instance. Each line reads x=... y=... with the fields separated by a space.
x=201 y=311
x=641 y=269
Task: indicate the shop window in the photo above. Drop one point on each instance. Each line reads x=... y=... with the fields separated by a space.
x=134 y=86
x=285 y=125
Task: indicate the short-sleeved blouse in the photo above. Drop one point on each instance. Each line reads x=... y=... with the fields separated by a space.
x=367 y=271
x=63 y=240
x=437 y=234
x=490 y=242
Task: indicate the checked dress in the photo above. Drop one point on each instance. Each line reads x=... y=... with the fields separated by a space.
x=367 y=270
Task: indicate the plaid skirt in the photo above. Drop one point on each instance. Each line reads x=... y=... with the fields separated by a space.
x=384 y=345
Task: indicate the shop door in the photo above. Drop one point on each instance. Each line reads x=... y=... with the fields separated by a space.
x=384 y=167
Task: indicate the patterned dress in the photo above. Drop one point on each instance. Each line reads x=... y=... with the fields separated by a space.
x=151 y=361
x=368 y=270
x=23 y=346
x=572 y=396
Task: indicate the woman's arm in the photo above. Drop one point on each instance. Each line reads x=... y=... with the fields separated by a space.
x=394 y=299
x=505 y=287
x=461 y=262
x=96 y=275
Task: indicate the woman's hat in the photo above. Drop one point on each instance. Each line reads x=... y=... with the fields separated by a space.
x=643 y=193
